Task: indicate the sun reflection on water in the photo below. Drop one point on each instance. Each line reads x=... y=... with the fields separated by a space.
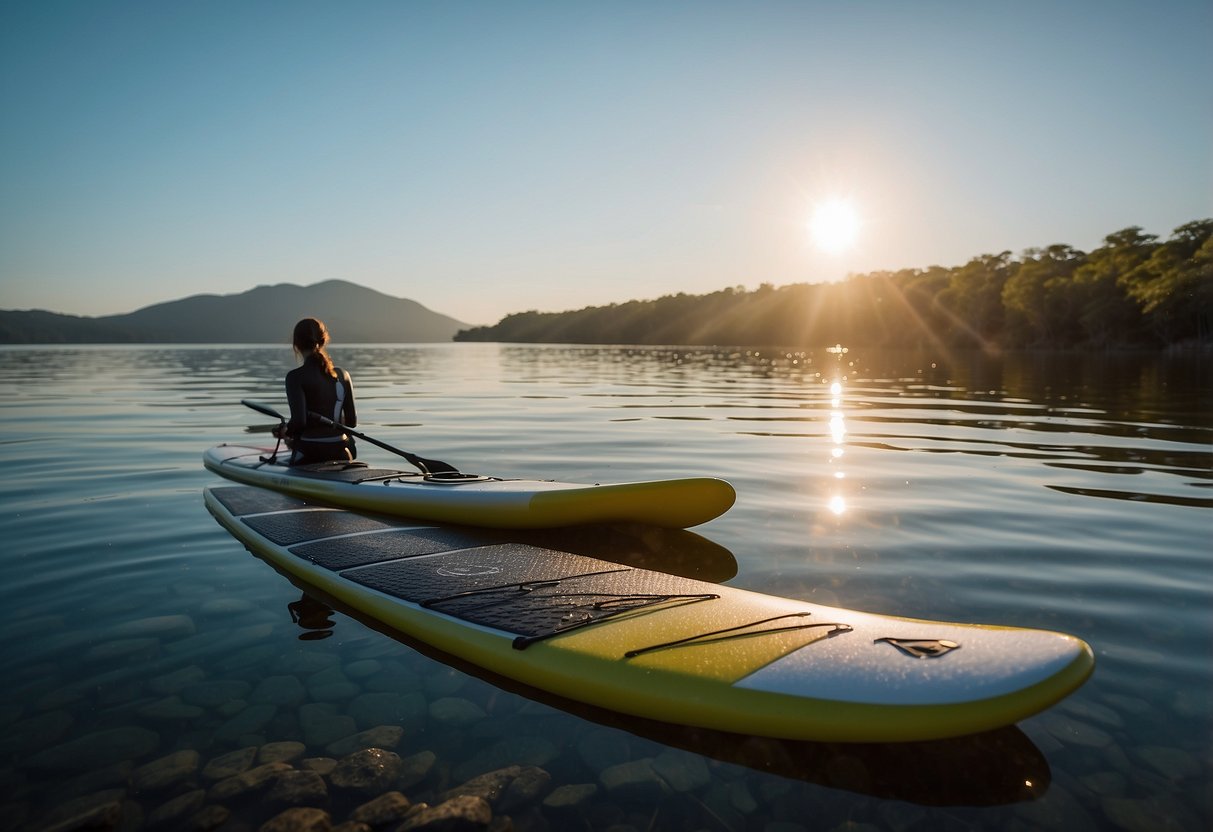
x=837 y=502
x=838 y=427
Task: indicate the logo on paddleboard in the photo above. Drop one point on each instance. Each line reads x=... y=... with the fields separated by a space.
x=922 y=648
x=473 y=570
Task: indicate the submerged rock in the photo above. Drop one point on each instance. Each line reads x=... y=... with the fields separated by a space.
x=226 y=606
x=1094 y=712
x=332 y=685
x=60 y=698
x=170 y=709
x=601 y=748
x=330 y=675
x=363 y=668
x=382 y=736
x=97 y=750
x=177 y=681
x=393 y=679
x=214 y=693
x=250 y=782
x=298 y=788
x=306 y=661
x=1061 y=810
x=39 y=626
x=370 y=771
x=683 y=771
x=256 y=656
x=124 y=649
x=1193 y=704
x=489 y=786
x=531 y=784
x=191 y=588
x=459 y=814
x=371 y=709
x=98 y=779
x=523 y=750
x=1156 y=813
x=1106 y=783
x=166 y=627
x=322 y=724
x=507 y=788
x=281 y=752
x=279 y=690
x=100 y=810
x=254 y=634
x=321 y=765
x=248 y=721
x=451 y=711
x=177 y=809
x=387 y=808
x=167 y=771
x=1075 y=732
x=35 y=732
x=741 y=798
x=1172 y=763
x=633 y=781
x=212 y=817
x=570 y=796
x=443 y=681
x=119 y=693
x=299 y=820
x=230 y=764
x=415 y=768
x=335 y=692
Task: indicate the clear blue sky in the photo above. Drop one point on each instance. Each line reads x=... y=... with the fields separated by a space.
x=484 y=158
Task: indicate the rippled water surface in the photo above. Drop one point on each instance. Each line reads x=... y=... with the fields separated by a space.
x=1061 y=492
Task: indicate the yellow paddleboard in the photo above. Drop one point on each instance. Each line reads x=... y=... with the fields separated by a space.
x=478 y=500
x=656 y=645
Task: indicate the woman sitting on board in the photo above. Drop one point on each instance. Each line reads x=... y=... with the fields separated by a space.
x=317 y=386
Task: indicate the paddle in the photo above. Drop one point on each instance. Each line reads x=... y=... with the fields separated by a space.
x=426 y=466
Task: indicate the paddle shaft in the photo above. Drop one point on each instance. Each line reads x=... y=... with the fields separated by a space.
x=260 y=408
x=426 y=466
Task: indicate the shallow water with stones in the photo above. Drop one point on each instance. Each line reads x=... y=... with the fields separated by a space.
x=161 y=677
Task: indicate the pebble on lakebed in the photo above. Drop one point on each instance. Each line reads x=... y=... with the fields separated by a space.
x=308 y=741
x=359 y=791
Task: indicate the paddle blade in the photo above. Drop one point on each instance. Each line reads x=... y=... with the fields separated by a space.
x=437 y=466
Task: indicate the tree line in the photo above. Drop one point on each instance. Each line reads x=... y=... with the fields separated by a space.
x=1134 y=291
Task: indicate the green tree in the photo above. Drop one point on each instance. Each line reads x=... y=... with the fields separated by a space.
x=1132 y=289
x=974 y=298
x=1040 y=299
x=1174 y=286
x=1107 y=315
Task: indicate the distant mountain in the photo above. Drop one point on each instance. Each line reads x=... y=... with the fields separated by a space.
x=354 y=314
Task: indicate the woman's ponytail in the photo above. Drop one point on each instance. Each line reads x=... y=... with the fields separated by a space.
x=310 y=338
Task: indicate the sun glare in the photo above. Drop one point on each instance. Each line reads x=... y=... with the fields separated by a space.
x=834 y=225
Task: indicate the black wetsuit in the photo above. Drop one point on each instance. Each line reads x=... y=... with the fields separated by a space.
x=309 y=387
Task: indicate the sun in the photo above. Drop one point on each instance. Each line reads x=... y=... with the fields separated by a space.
x=834 y=225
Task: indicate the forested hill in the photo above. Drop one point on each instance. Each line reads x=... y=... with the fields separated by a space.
x=1133 y=291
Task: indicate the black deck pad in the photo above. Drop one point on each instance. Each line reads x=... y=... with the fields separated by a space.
x=246 y=499
x=453 y=572
x=298 y=526
x=573 y=602
x=374 y=548
x=524 y=589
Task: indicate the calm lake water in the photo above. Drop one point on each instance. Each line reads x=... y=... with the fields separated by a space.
x=1061 y=492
